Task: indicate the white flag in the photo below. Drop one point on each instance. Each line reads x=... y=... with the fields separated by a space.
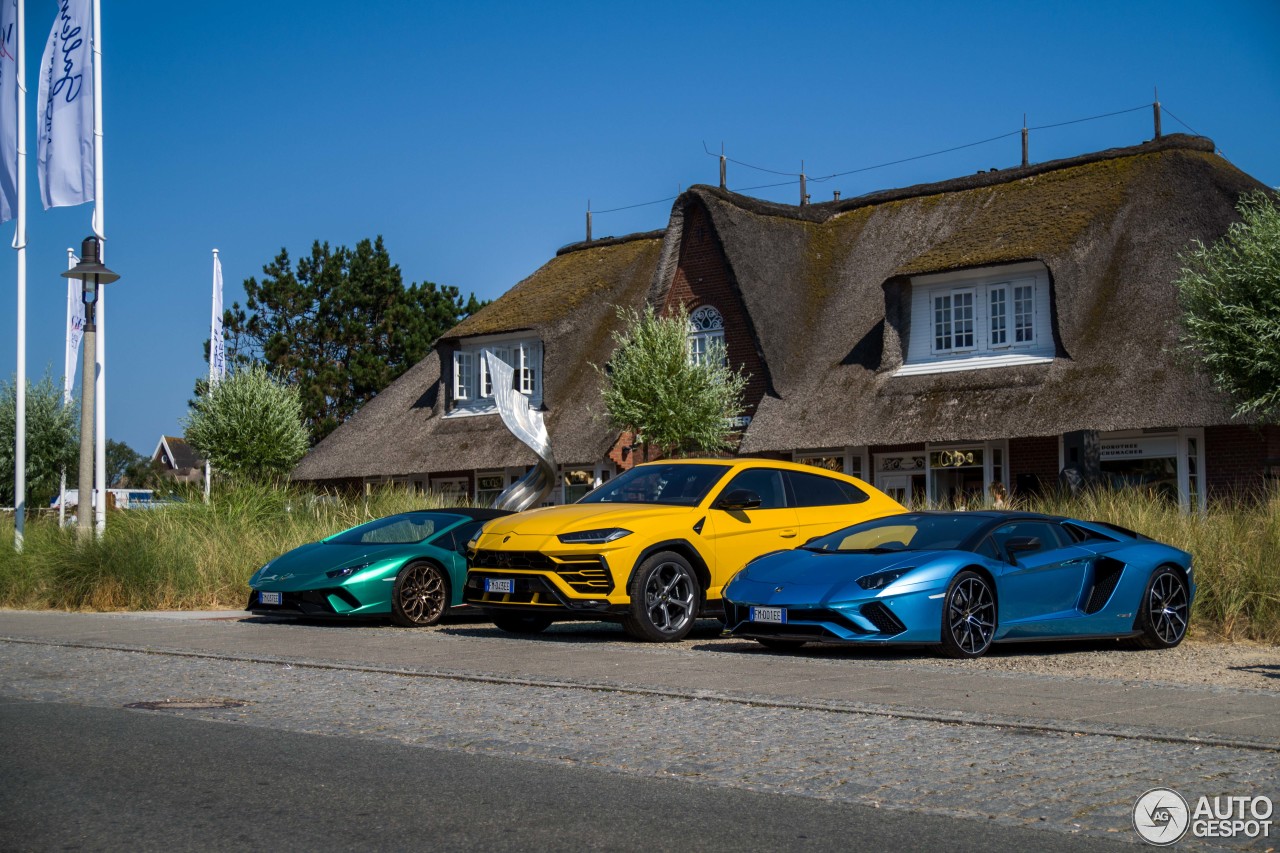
x=64 y=152
x=217 y=346
x=8 y=110
x=75 y=331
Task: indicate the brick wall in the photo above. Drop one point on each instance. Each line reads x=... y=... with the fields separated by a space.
x=1033 y=463
x=1236 y=457
x=703 y=278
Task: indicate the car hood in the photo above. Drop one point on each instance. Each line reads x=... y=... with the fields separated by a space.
x=317 y=558
x=809 y=576
x=551 y=520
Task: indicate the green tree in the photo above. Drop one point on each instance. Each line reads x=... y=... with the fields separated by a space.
x=248 y=426
x=120 y=459
x=340 y=325
x=1230 y=295
x=52 y=440
x=655 y=391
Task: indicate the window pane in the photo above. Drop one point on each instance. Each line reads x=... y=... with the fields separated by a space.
x=942 y=323
x=1024 y=313
x=999 y=317
x=765 y=482
x=816 y=490
x=963 y=321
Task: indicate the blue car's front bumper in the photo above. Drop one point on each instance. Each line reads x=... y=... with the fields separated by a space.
x=912 y=615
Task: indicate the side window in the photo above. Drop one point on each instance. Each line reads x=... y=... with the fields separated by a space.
x=1048 y=534
x=987 y=548
x=457 y=538
x=765 y=482
x=817 y=490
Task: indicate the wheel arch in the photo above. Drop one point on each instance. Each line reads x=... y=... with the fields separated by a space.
x=685 y=549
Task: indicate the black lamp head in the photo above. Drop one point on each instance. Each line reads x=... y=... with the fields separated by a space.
x=90 y=267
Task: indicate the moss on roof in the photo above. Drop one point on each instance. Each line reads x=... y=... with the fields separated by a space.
x=562 y=285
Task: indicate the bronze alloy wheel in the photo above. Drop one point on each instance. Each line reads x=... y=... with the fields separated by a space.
x=420 y=595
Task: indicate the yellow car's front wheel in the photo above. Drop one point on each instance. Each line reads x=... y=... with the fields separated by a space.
x=665 y=597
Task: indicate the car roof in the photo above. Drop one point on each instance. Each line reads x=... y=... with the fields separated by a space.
x=752 y=462
x=475 y=513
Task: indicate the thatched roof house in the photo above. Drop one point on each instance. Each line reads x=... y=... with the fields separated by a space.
x=997 y=327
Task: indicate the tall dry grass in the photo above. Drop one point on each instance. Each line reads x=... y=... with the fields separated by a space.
x=188 y=555
x=193 y=555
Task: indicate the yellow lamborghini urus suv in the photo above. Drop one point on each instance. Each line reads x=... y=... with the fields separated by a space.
x=653 y=547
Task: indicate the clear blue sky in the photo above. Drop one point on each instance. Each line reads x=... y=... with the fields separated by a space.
x=471 y=135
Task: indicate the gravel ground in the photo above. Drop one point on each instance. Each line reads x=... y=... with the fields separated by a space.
x=1196 y=662
x=1058 y=782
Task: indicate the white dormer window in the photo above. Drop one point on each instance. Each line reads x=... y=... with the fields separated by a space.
x=994 y=317
x=706 y=335
x=473 y=383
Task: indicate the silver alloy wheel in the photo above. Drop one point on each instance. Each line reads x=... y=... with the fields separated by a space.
x=422 y=594
x=669 y=597
x=1167 y=608
x=971 y=615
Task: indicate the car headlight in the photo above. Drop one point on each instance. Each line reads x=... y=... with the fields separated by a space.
x=880 y=580
x=347 y=571
x=594 y=537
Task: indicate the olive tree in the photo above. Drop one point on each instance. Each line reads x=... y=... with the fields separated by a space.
x=248 y=426
x=656 y=391
x=52 y=440
x=1230 y=296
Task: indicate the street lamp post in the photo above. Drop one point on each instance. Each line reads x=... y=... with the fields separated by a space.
x=92 y=274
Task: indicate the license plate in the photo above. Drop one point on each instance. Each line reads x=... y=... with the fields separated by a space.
x=499 y=585
x=269 y=598
x=772 y=615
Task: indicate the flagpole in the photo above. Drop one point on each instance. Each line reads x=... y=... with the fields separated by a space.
x=213 y=328
x=99 y=229
x=69 y=371
x=20 y=243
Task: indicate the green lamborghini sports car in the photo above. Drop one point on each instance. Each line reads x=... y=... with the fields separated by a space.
x=410 y=567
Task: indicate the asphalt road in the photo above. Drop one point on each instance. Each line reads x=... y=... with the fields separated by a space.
x=98 y=778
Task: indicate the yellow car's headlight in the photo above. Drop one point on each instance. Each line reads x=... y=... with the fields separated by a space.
x=593 y=537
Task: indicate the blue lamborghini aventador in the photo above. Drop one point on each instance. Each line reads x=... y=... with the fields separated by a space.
x=961 y=581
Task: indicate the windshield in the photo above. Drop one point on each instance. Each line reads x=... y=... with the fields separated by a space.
x=406 y=529
x=678 y=485
x=901 y=533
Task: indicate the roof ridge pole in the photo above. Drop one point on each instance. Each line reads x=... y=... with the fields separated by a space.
x=1156 y=108
x=804 y=196
x=723 y=169
x=1025 y=160
x=588 y=220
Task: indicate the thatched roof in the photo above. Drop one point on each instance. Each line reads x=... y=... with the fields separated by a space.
x=570 y=304
x=825 y=288
x=823 y=285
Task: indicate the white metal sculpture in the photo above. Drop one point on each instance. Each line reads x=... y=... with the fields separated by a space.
x=525 y=423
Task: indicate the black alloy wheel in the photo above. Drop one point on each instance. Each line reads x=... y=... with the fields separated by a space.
x=665 y=596
x=1165 y=611
x=968 y=616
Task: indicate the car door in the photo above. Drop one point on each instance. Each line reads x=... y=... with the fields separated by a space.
x=741 y=535
x=1044 y=584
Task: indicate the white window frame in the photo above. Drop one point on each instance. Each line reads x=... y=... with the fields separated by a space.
x=953 y=319
x=931 y=348
x=706 y=331
x=472 y=385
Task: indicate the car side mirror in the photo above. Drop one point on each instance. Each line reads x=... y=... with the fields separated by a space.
x=1022 y=545
x=739 y=499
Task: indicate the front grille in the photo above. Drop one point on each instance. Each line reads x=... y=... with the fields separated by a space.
x=882 y=617
x=738 y=614
x=532 y=560
x=312 y=602
x=529 y=590
x=587 y=574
